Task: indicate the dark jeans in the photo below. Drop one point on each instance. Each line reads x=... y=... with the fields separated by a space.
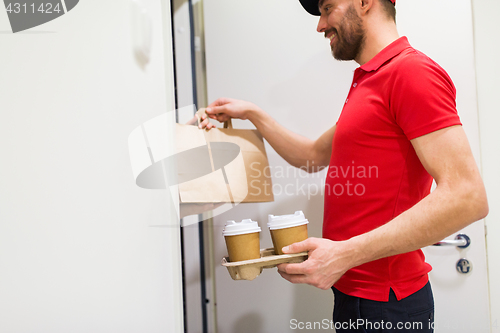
x=414 y=313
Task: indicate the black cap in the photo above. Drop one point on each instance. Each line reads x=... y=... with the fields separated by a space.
x=311 y=6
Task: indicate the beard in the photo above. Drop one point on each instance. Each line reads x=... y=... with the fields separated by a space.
x=350 y=37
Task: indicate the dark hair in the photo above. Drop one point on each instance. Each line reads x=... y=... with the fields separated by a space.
x=389 y=9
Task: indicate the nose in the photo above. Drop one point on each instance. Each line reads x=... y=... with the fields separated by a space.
x=322 y=24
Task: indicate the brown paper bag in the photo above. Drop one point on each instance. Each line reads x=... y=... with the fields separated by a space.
x=222 y=165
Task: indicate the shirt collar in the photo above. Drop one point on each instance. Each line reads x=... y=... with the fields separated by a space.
x=389 y=52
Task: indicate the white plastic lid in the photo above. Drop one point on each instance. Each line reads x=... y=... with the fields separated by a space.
x=286 y=221
x=247 y=226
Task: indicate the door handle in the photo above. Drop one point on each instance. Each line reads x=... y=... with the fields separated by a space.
x=461 y=240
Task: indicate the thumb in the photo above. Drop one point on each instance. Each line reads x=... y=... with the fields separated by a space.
x=304 y=246
x=215 y=110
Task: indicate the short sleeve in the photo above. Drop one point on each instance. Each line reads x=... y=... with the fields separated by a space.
x=423 y=98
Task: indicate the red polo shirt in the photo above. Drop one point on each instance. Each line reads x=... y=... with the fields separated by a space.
x=374 y=172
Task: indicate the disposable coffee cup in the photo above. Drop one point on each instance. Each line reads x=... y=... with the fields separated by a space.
x=242 y=240
x=287 y=229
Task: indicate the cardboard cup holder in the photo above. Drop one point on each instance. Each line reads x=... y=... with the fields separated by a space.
x=250 y=269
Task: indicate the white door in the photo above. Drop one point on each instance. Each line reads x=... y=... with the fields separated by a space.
x=269 y=53
x=78 y=252
x=461 y=300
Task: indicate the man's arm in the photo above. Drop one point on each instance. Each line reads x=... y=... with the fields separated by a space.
x=297 y=150
x=458 y=200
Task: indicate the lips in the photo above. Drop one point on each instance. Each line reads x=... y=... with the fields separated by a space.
x=332 y=38
x=331 y=35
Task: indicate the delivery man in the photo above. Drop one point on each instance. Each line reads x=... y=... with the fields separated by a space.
x=399 y=117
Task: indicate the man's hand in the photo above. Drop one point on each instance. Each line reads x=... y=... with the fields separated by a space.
x=327 y=262
x=224 y=109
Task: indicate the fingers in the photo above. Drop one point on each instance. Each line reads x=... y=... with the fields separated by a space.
x=224 y=109
x=303 y=273
x=294 y=269
x=204 y=119
x=205 y=122
x=293 y=278
x=304 y=246
x=215 y=111
x=201 y=118
x=321 y=269
x=218 y=113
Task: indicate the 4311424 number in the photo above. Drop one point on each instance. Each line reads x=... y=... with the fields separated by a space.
x=24 y=8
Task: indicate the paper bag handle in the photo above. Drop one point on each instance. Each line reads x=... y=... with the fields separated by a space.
x=199 y=113
x=228 y=124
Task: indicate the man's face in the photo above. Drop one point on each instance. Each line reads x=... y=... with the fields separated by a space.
x=342 y=25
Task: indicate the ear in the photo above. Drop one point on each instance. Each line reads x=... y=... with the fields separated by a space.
x=365 y=6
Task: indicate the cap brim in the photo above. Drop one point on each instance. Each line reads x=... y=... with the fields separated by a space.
x=311 y=6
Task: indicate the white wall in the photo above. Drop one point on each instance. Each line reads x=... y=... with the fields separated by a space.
x=77 y=253
x=487 y=27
